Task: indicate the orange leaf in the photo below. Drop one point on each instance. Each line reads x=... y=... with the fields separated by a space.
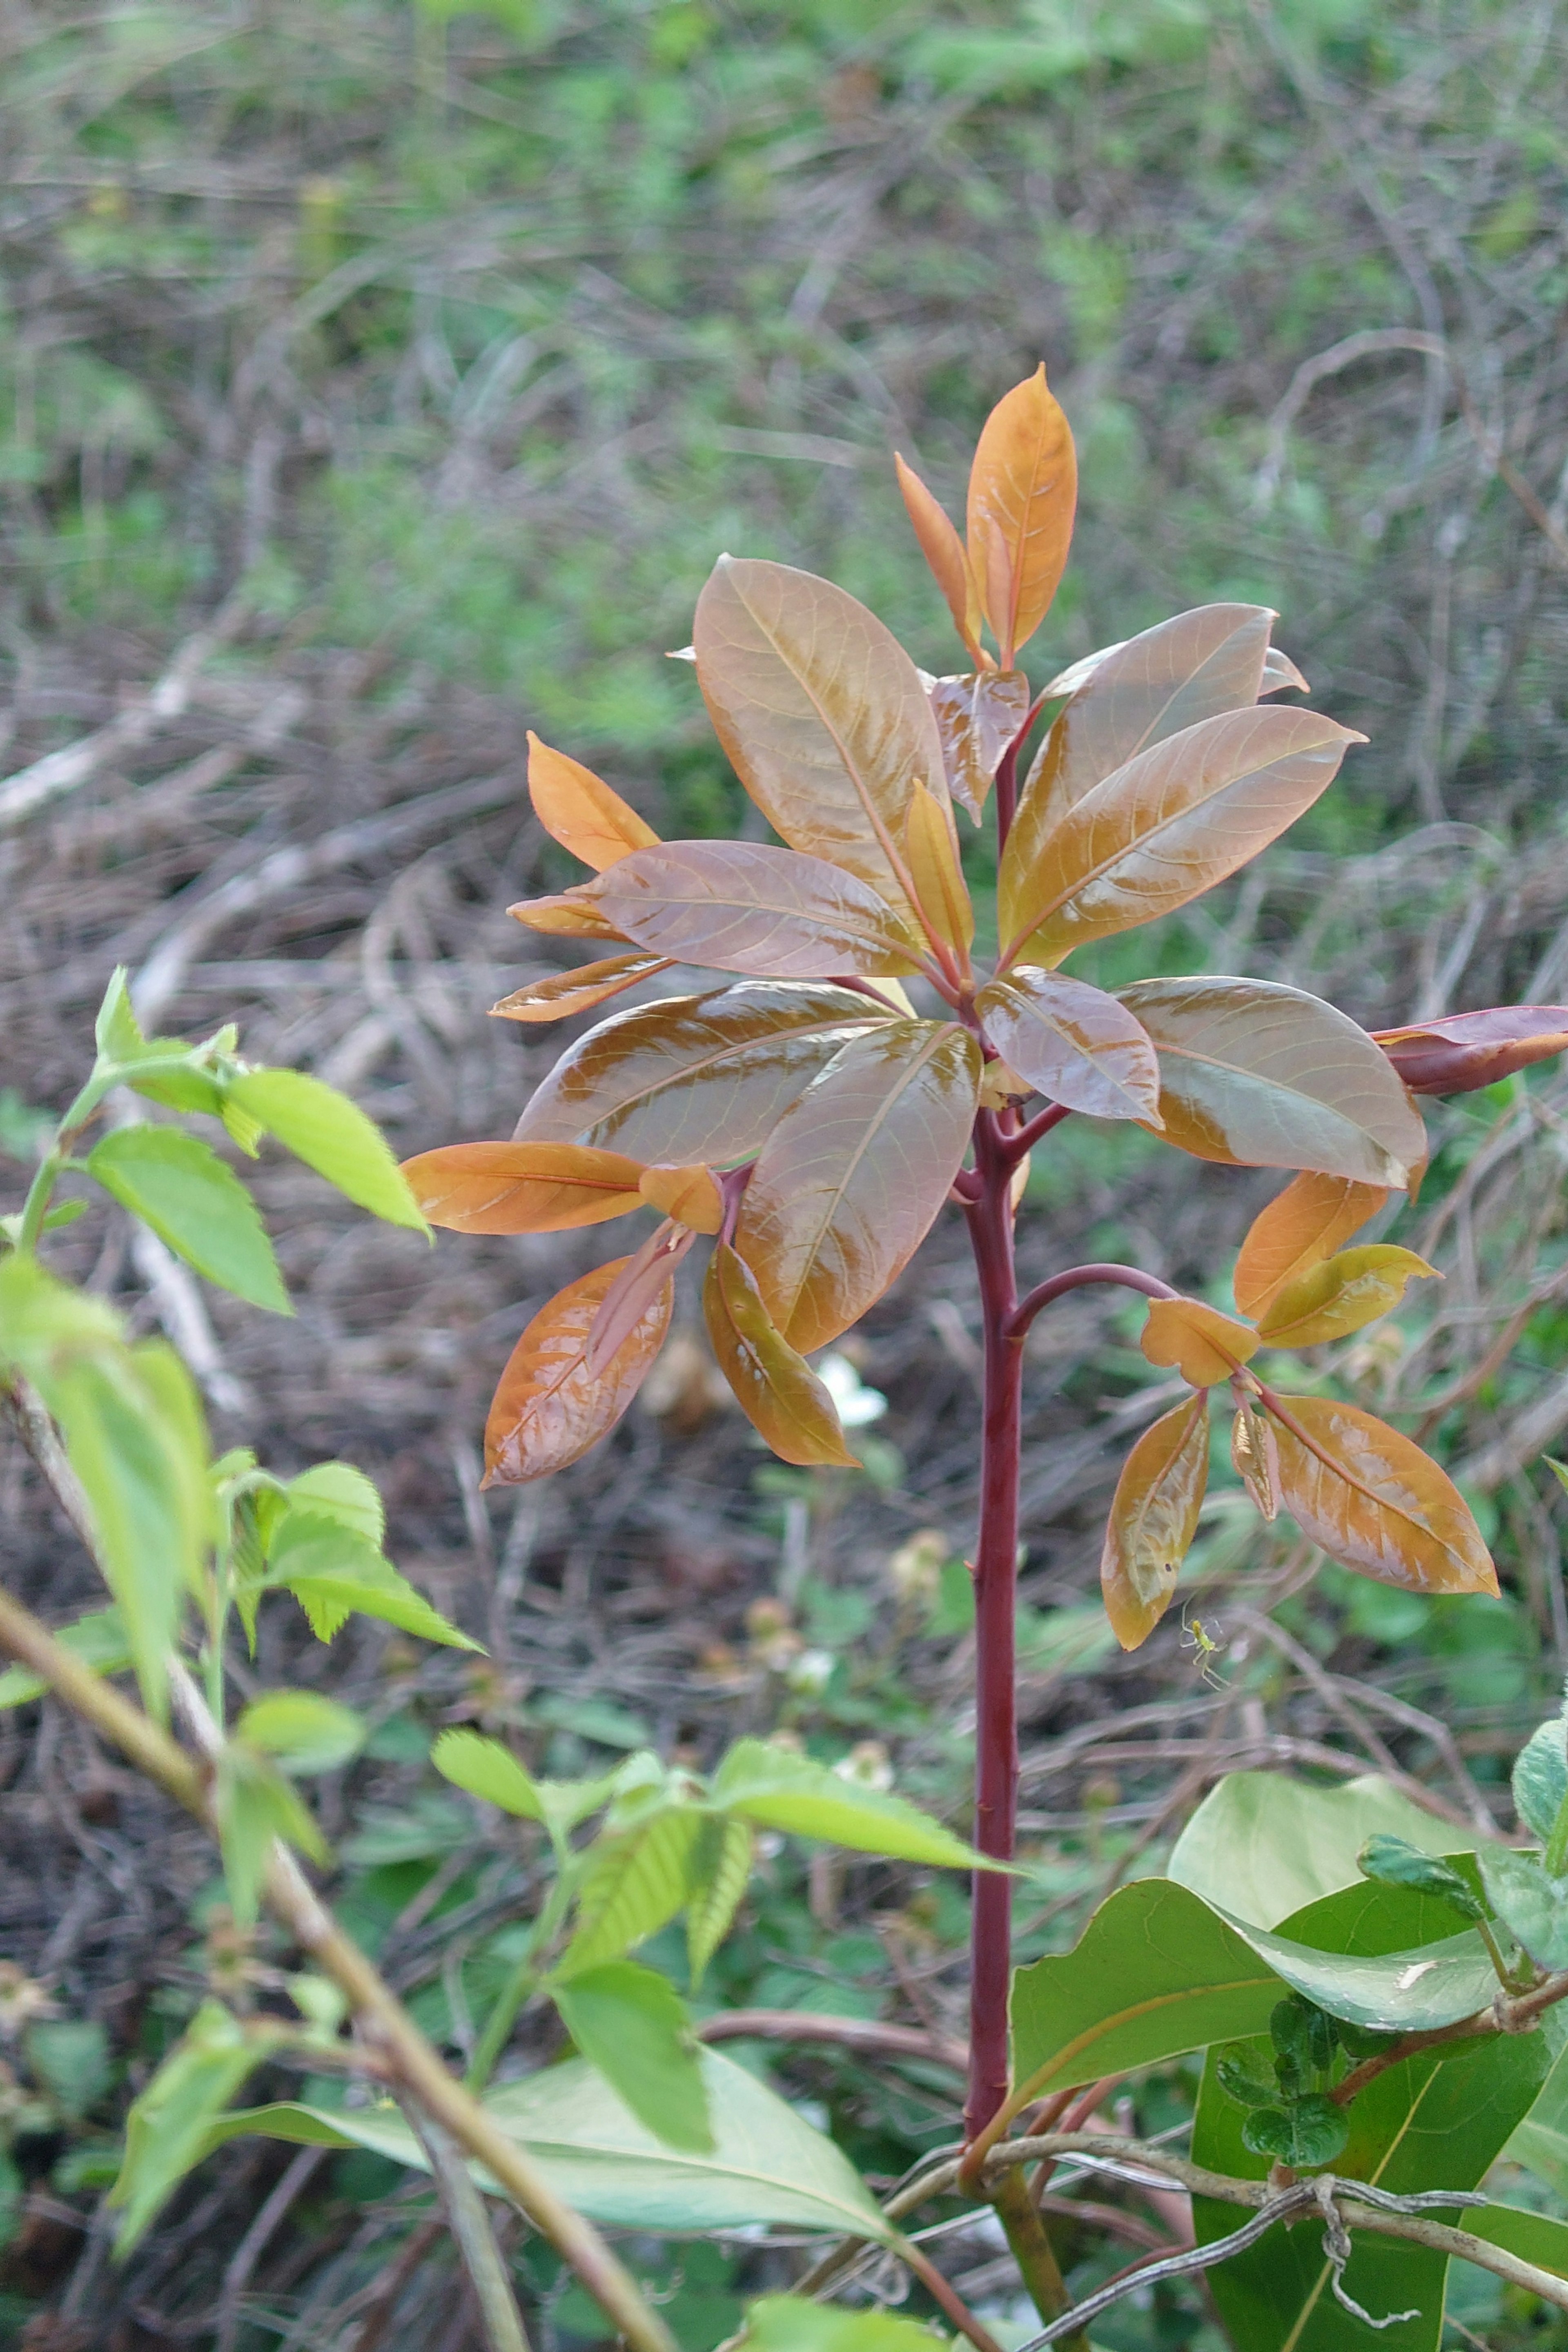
x=747 y=905
x=1023 y=486
x=1341 y=1295
x=1301 y=1225
x=1254 y=1457
x=549 y=1409
x=564 y=913
x=1203 y=1345
x=561 y=993
x=523 y=1187
x=931 y=853
x=689 y=1195
x=943 y=550
x=977 y=717
x=1462 y=1051
x=646 y=1278
x=777 y=1389
x=1373 y=1501
x=1153 y=1519
x=579 y=810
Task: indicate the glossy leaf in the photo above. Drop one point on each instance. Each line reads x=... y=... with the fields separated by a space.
x=565 y=914
x=696 y=1077
x=1023 y=488
x=1153 y=1519
x=1255 y=1074
x=1074 y=1043
x=1301 y=1226
x=548 y=1409
x=169 y=2125
x=1532 y=1904
x=332 y=1136
x=178 y=1185
x=688 y=1194
x=1200 y=1343
x=821 y=712
x=944 y=551
x=1341 y=1294
x=632 y=2027
x=1374 y=1502
x=978 y=716
x=642 y=1282
x=335 y=1572
x=562 y=994
x=850 y=1181
x=774 y=1386
x=930 y=853
x=580 y=809
x=1541 y=1778
x=1395 y=1862
x=743 y=906
x=523 y=1187
x=775 y=1788
x=1462 y=1051
x=1165 y=828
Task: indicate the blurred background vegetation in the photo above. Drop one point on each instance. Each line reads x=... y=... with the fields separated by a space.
x=383 y=377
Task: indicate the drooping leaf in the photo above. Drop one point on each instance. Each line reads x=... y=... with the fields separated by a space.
x=334 y=1572
x=1073 y=1042
x=632 y=2025
x=978 y=716
x=1531 y=1902
x=1255 y=1074
x=930 y=853
x=1153 y=1519
x=635 y=1882
x=578 y=991
x=944 y=551
x=1204 y=1346
x=775 y=1788
x=1301 y=1226
x=178 y=1185
x=1340 y=1294
x=1541 y=1778
x=721 y=1868
x=775 y=1386
x=548 y=1408
x=1393 y=1862
x=1161 y=831
x=304 y=1731
x=332 y=1136
x=821 y=712
x=523 y=1187
x=696 y=1077
x=850 y=1181
x=169 y=2126
x=1462 y=1051
x=98 y=1640
x=1374 y=1502
x=1023 y=488
x=580 y=809
x=689 y=1195
x=744 y=906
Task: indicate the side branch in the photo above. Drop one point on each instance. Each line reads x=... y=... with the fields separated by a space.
x=1131 y=1278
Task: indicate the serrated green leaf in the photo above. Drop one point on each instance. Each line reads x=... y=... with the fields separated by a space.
x=634 y=1883
x=484 y=1768
x=1396 y=1863
x=632 y=2025
x=721 y=1865
x=1531 y=1903
x=169 y=2127
x=776 y=1790
x=178 y=1185
x=306 y=1732
x=117 y=1033
x=98 y=1640
x=334 y=1573
x=332 y=1136
x=255 y=1805
x=339 y=1491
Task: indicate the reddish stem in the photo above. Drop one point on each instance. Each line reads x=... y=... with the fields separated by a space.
x=1131 y=1278
x=1006 y=791
x=1025 y=1136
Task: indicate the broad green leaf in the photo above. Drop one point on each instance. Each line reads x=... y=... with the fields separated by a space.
x=332 y=1136
x=581 y=811
x=1158 y=833
x=944 y=551
x=562 y=993
x=774 y=1386
x=1262 y=1845
x=255 y=1805
x=1023 y=490
x=743 y=906
x=70 y=2057
x=1341 y=1295
x=1153 y=1519
x=776 y=1790
x=43 y=1322
x=1540 y=2140
x=523 y=1187
x=306 y=1732
x=978 y=718
x=635 y=1883
x=334 y=1572
x=1306 y=2135
x=1541 y=1778
x=632 y=2027
x=1204 y=1346
x=1531 y=1902
x=484 y=1768
x=550 y=1406
x=336 y=1490
x=850 y=1181
x=821 y=714
x=1303 y=1226
x=178 y=1185
x=1255 y=1074
x=696 y=1077
x=1370 y=1499
x=1393 y=1862
x=171 y=2125
x=767 y=2164
x=98 y=1640
x=720 y=1869
x=1535 y=2238
x=792 y=2323
x=1073 y=1042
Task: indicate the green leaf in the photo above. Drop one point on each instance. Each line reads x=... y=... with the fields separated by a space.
x=1541 y=1778
x=633 y=1884
x=1534 y=2236
x=1308 y=2134
x=1530 y=1902
x=632 y=2025
x=1394 y=1863
x=721 y=1865
x=1540 y=2140
x=767 y=2164
x=71 y=2059
x=334 y=1573
x=117 y=1032
x=43 y=1321
x=169 y=2126
x=792 y=2323
x=332 y=1136
x=98 y=1640
x=338 y=1491
x=179 y=1186
x=484 y=1768
x=255 y=1805
x=1262 y=1845
x=1238 y=2080
x=304 y=1731
x=776 y=1790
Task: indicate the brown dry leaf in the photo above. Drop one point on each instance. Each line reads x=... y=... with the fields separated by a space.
x=562 y=994
x=1373 y=1501
x=1301 y=1226
x=523 y=1187
x=1204 y=1346
x=775 y=1386
x=744 y=906
x=548 y=1409
x=1023 y=488
x=1341 y=1295
x=932 y=855
x=689 y=1195
x=580 y=811
x=1073 y=1042
x=1153 y=1519
x=943 y=550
